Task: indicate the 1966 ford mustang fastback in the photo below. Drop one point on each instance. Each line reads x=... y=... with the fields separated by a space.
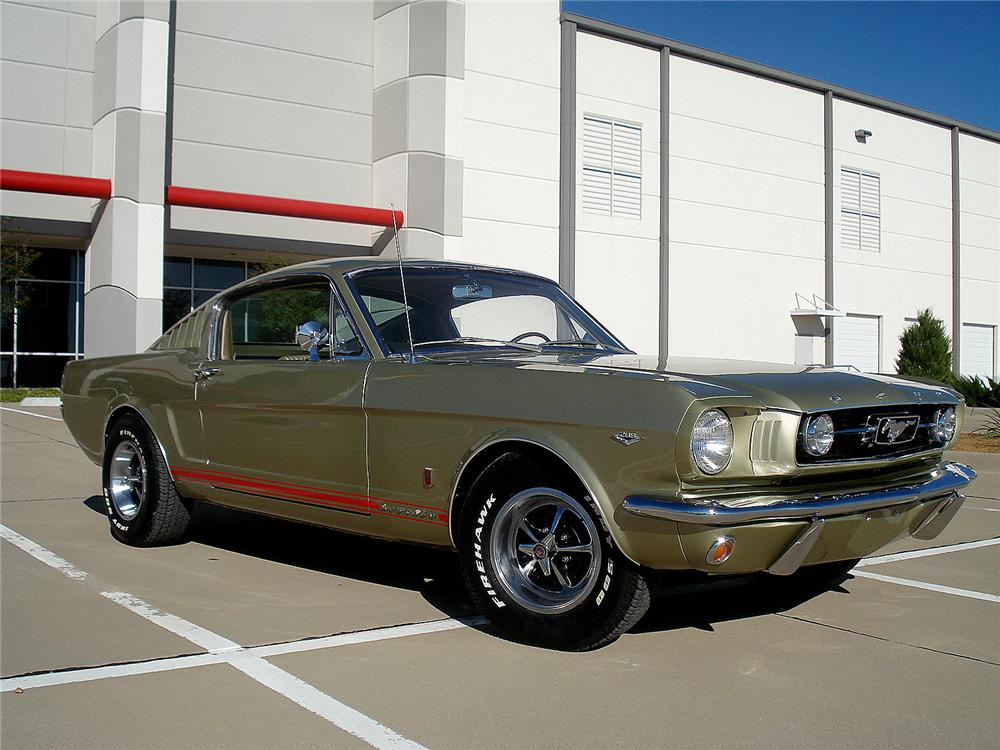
x=484 y=409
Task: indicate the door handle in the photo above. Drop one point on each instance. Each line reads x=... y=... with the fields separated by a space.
x=205 y=373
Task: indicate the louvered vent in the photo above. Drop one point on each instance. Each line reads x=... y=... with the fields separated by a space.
x=612 y=168
x=860 y=210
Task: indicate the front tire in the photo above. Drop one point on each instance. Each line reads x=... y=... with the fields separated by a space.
x=540 y=563
x=144 y=509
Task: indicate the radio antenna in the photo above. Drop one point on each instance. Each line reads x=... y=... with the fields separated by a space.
x=402 y=283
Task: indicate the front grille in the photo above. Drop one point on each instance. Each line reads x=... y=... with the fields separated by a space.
x=856 y=437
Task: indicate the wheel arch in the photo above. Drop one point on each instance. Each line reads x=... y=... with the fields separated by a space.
x=130 y=409
x=570 y=467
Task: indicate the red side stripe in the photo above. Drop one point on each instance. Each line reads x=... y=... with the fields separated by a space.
x=311 y=495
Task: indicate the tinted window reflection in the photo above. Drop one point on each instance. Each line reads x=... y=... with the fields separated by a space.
x=46 y=318
x=217 y=274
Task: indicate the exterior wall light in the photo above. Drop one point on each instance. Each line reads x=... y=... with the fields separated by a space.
x=862 y=135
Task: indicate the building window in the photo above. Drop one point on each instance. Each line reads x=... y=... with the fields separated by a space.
x=612 y=167
x=41 y=328
x=860 y=210
x=189 y=282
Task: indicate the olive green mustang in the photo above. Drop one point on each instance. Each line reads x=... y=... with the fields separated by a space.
x=484 y=409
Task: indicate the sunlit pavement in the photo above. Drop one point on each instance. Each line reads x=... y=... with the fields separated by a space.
x=260 y=633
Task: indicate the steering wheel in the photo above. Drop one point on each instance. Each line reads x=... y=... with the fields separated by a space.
x=527 y=334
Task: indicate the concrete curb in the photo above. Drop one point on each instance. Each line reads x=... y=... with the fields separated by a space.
x=40 y=401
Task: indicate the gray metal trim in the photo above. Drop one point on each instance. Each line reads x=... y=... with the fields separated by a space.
x=664 y=311
x=956 y=256
x=168 y=140
x=793 y=557
x=944 y=482
x=567 y=158
x=828 y=270
x=622 y=33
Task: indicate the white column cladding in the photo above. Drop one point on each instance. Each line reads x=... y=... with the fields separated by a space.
x=417 y=148
x=123 y=294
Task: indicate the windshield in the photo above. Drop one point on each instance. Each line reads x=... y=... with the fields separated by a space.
x=458 y=308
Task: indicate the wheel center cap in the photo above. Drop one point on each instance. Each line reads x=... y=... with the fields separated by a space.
x=540 y=551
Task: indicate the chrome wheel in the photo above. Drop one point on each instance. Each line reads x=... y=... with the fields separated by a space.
x=127 y=480
x=545 y=550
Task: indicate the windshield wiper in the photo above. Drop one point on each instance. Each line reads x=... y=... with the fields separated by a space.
x=573 y=342
x=477 y=340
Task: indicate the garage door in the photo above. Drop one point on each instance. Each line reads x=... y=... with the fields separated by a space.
x=977 y=349
x=856 y=342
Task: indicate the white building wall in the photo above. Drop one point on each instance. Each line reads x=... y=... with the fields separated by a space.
x=617 y=258
x=979 y=185
x=511 y=136
x=913 y=269
x=46 y=101
x=746 y=212
x=274 y=99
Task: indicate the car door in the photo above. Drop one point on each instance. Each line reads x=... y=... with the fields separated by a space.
x=283 y=429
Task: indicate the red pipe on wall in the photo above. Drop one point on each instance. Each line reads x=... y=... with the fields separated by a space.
x=263 y=204
x=56 y=184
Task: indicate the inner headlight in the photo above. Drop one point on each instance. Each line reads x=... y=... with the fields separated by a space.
x=943 y=426
x=712 y=441
x=817 y=437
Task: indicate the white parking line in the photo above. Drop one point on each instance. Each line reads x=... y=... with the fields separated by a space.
x=30 y=413
x=928 y=586
x=40 y=553
x=225 y=650
x=151 y=666
x=930 y=552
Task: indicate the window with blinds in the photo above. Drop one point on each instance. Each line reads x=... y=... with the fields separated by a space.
x=612 y=167
x=860 y=210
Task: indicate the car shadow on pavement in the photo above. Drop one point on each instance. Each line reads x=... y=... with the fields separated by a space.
x=683 y=602
x=433 y=572
x=680 y=600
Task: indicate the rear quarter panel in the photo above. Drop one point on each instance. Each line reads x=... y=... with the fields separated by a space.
x=157 y=384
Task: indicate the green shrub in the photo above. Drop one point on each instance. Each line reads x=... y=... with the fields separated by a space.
x=977 y=392
x=925 y=349
x=13 y=395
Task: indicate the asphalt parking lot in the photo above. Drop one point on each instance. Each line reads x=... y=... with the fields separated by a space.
x=259 y=633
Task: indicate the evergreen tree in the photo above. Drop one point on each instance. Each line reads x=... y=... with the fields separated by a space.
x=925 y=349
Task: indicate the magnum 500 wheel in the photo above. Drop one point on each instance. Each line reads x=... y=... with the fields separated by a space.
x=143 y=506
x=540 y=563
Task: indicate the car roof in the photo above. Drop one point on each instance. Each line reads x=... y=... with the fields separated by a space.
x=344 y=266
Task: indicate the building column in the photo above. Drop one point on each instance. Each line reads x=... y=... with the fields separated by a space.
x=418 y=113
x=123 y=292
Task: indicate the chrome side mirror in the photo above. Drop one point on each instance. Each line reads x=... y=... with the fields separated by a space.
x=311 y=336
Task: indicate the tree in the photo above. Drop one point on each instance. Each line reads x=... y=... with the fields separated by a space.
x=925 y=349
x=15 y=263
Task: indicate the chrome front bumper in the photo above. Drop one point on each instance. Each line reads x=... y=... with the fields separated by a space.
x=944 y=483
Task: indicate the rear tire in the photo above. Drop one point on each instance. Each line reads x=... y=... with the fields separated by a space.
x=540 y=563
x=144 y=509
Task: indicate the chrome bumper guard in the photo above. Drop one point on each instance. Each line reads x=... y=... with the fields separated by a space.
x=944 y=484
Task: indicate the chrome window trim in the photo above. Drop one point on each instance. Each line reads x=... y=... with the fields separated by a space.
x=221 y=302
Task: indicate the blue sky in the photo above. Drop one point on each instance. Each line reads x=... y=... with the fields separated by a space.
x=940 y=56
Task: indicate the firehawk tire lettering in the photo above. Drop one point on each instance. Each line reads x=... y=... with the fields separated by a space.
x=616 y=601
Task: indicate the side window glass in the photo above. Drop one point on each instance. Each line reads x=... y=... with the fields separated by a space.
x=345 y=339
x=262 y=325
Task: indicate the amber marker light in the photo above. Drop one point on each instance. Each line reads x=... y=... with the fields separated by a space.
x=720 y=550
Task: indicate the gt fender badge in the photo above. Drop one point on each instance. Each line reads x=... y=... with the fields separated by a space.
x=627 y=438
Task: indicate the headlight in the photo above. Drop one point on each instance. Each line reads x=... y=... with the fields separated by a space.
x=943 y=426
x=712 y=441
x=817 y=437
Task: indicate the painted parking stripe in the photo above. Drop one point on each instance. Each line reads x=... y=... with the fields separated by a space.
x=928 y=586
x=913 y=554
x=30 y=413
x=152 y=666
x=40 y=553
x=341 y=715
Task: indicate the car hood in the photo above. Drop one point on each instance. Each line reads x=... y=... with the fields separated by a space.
x=777 y=386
